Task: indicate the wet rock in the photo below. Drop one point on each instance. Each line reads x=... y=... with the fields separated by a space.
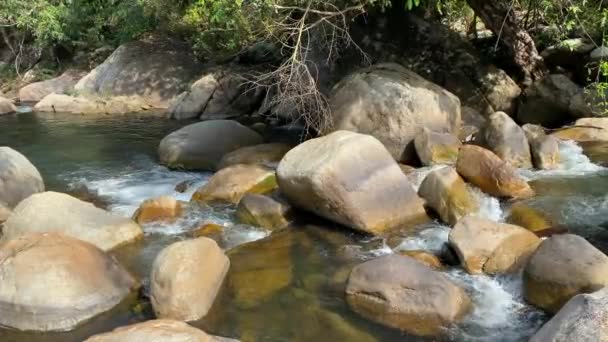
x=448 y=195
x=158 y=330
x=583 y=319
x=263 y=211
x=268 y=155
x=330 y=326
x=202 y=145
x=260 y=269
x=182 y=187
x=544 y=148
x=584 y=130
x=186 y=278
x=402 y=293
x=58 y=103
x=163 y=208
x=492 y=175
x=484 y=246
x=232 y=183
x=83 y=193
x=436 y=148
x=528 y=217
x=351 y=179
x=505 y=138
x=18 y=177
x=54 y=282
x=57 y=212
x=562 y=267
x=6 y=106
x=393 y=104
x=429 y=259
x=63 y=84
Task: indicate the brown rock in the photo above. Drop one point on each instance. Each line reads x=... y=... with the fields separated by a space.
x=436 y=148
x=268 y=155
x=232 y=183
x=532 y=219
x=6 y=106
x=429 y=259
x=263 y=211
x=163 y=208
x=158 y=330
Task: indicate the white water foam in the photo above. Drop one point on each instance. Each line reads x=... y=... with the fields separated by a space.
x=430 y=239
x=489 y=207
x=573 y=162
x=417 y=176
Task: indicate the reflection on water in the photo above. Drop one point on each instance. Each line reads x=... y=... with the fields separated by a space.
x=286 y=286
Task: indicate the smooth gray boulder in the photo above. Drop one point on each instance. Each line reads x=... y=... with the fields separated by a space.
x=19 y=178
x=505 y=138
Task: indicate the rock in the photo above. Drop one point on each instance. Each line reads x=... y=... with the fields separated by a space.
x=351 y=179
x=448 y=195
x=436 y=148
x=61 y=213
x=163 y=208
x=487 y=171
x=218 y=94
x=7 y=106
x=402 y=293
x=4 y=214
x=562 y=267
x=393 y=104
x=18 y=177
x=208 y=229
x=263 y=211
x=498 y=89
x=484 y=246
x=182 y=187
x=202 y=145
x=268 y=155
x=505 y=138
x=232 y=183
x=528 y=217
x=54 y=282
x=544 y=148
x=186 y=278
x=569 y=54
x=583 y=319
x=584 y=130
x=153 y=70
x=598 y=54
x=426 y=258
x=158 y=330
x=63 y=84
x=472 y=117
x=56 y=103
x=260 y=269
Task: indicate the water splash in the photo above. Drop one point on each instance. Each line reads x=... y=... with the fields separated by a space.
x=573 y=162
x=489 y=207
x=418 y=175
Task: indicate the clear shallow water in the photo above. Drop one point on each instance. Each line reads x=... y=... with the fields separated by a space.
x=297 y=290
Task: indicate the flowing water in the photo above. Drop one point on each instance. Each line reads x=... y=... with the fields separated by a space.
x=288 y=286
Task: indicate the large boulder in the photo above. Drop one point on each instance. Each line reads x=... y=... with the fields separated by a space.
x=54 y=282
x=186 y=278
x=18 y=178
x=436 y=148
x=492 y=175
x=583 y=319
x=544 y=148
x=263 y=211
x=58 y=103
x=265 y=154
x=393 y=104
x=63 y=84
x=232 y=183
x=448 y=195
x=528 y=217
x=402 y=293
x=202 y=145
x=158 y=330
x=351 y=179
x=61 y=213
x=154 y=70
x=220 y=93
x=484 y=246
x=505 y=138
x=585 y=129
x=562 y=267
x=6 y=106
x=162 y=208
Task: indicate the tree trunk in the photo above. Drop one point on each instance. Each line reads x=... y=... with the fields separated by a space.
x=500 y=17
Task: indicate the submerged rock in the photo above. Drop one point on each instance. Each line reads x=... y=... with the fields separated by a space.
x=268 y=155
x=232 y=183
x=507 y=140
x=583 y=319
x=6 y=106
x=163 y=208
x=158 y=330
x=63 y=84
x=57 y=212
x=18 y=178
x=436 y=148
x=202 y=145
x=562 y=267
x=186 y=278
x=492 y=175
x=484 y=246
x=402 y=293
x=393 y=104
x=263 y=211
x=448 y=195
x=54 y=282
x=351 y=179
